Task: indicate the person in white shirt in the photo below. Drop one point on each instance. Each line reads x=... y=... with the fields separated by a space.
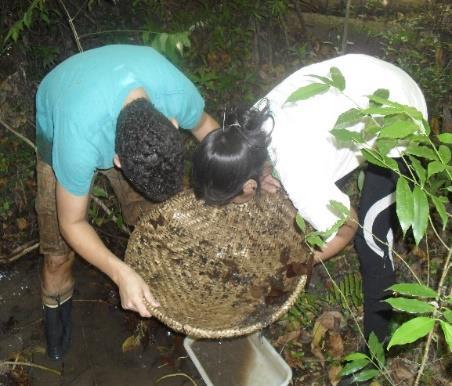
x=230 y=165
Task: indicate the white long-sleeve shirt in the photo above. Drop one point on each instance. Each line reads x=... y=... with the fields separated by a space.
x=305 y=154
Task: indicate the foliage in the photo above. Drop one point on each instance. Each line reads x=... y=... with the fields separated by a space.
x=419 y=195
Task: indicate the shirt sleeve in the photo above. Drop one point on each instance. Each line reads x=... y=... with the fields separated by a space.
x=73 y=161
x=185 y=104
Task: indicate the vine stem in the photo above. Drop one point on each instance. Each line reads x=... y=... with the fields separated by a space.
x=430 y=335
x=22 y=137
x=71 y=24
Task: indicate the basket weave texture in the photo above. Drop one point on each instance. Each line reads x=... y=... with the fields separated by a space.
x=220 y=272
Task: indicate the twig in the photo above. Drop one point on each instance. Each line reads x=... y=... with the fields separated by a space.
x=22 y=137
x=176 y=375
x=109 y=212
x=19 y=252
x=13 y=363
x=71 y=24
x=430 y=335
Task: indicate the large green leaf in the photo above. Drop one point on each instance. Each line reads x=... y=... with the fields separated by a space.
x=413 y=289
x=411 y=331
x=385 y=145
x=348 y=118
x=445 y=138
x=422 y=151
x=354 y=366
x=376 y=349
x=378 y=110
x=447 y=329
x=419 y=169
x=347 y=135
x=434 y=167
x=412 y=306
x=308 y=91
x=355 y=355
x=322 y=78
x=404 y=204
x=365 y=375
x=421 y=212
x=337 y=78
x=300 y=222
x=371 y=156
x=398 y=129
x=381 y=93
x=444 y=152
x=441 y=209
x=448 y=315
x=382 y=101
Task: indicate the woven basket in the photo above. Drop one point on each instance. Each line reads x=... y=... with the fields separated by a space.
x=220 y=272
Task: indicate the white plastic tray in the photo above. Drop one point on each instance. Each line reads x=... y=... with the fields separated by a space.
x=267 y=367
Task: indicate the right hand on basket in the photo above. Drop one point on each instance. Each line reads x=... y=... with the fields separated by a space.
x=134 y=292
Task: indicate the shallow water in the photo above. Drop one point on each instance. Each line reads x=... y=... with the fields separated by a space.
x=100 y=328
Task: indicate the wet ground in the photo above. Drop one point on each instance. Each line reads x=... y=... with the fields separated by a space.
x=100 y=327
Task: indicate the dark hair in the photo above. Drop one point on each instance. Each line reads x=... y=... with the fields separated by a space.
x=150 y=150
x=228 y=157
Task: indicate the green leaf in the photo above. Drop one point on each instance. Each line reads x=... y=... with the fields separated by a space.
x=365 y=375
x=448 y=315
x=314 y=240
x=447 y=329
x=378 y=110
x=321 y=78
x=444 y=152
x=381 y=100
x=99 y=192
x=360 y=181
x=381 y=93
x=308 y=91
x=412 y=306
x=300 y=222
x=422 y=151
x=419 y=169
x=411 y=331
x=339 y=209
x=413 y=289
x=434 y=167
x=404 y=204
x=347 y=135
x=348 y=118
x=337 y=78
x=382 y=160
x=445 y=138
x=354 y=366
x=421 y=212
x=441 y=209
x=355 y=355
x=376 y=349
x=398 y=129
x=385 y=145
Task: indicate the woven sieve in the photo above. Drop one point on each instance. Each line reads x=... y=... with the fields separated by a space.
x=220 y=272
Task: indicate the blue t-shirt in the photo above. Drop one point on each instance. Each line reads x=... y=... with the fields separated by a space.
x=78 y=103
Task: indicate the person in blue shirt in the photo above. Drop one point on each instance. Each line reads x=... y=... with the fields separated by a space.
x=112 y=108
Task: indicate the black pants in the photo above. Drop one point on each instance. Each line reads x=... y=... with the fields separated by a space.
x=373 y=243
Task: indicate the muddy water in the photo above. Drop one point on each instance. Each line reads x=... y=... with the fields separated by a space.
x=100 y=328
x=226 y=362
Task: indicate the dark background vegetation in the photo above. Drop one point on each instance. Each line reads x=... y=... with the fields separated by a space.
x=234 y=51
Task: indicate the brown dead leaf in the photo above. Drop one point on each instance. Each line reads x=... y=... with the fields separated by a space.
x=335 y=345
x=22 y=223
x=328 y=321
x=284 y=339
x=131 y=343
x=402 y=372
x=333 y=374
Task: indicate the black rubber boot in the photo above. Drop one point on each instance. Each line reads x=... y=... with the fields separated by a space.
x=58 y=329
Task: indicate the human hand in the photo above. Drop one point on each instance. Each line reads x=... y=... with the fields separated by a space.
x=267 y=181
x=134 y=292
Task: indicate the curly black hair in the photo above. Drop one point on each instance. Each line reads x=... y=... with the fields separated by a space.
x=150 y=150
x=228 y=157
